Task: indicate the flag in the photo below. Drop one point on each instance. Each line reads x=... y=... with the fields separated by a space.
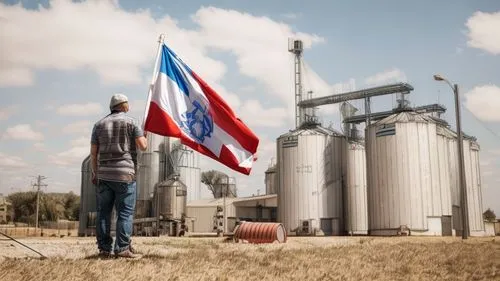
x=184 y=106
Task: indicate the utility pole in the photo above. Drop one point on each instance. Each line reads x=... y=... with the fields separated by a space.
x=38 y=185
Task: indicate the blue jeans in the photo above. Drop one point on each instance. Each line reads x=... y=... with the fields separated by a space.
x=122 y=196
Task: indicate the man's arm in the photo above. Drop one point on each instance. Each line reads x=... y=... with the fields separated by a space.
x=94 y=148
x=142 y=142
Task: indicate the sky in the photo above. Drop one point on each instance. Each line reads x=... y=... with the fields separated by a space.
x=61 y=60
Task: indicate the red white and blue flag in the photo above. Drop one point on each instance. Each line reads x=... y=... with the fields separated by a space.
x=184 y=106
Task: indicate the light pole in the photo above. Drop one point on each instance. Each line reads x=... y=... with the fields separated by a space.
x=461 y=165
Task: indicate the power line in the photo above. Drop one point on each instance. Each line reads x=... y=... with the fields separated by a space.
x=482 y=123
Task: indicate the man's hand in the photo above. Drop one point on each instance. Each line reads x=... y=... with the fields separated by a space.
x=94 y=178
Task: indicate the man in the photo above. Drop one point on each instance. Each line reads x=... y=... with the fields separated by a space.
x=114 y=143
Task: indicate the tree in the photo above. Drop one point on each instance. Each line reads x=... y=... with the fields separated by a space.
x=489 y=215
x=53 y=206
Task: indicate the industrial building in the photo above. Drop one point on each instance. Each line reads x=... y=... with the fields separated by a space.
x=399 y=178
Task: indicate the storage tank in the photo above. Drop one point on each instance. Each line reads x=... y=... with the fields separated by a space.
x=171 y=199
x=404 y=190
x=187 y=166
x=88 y=203
x=225 y=184
x=87 y=200
x=356 y=208
x=271 y=180
x=474 y=190
x=443 y=142
x=473 y=183
x=150 y=172
x=309 y=167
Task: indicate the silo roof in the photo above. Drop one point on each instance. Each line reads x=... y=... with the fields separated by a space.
x=313 y=130
x=405 y=117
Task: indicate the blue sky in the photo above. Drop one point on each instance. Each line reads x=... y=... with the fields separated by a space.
x=59 y=64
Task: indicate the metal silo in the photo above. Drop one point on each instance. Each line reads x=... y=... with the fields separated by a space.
x=271 y=180
x=445 y=181
x=87 y=200
x=149 y=173
x=473 y=183
x=171 y=199
x=310 y=181
x=356 y=208
x=404 y=190
x=226 y=185
x=186 y=163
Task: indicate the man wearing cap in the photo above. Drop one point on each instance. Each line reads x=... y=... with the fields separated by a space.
x=114 y=143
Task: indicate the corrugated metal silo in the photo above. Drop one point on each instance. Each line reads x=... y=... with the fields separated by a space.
x=404 y=190
x=271 y=180
x=310 y=181
x=87 y=199
x=148 y=173
x=473 y=183
x=356 y=207
x=474 y=190
x=187 y=165
x=171 y=199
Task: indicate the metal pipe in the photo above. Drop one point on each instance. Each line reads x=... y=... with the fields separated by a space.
x=380 y=115
x=43 y=257
x=360 y=94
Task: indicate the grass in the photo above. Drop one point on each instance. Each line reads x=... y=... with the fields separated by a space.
x=321 y=258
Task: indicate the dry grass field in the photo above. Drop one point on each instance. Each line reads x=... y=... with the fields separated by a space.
x=319 y=258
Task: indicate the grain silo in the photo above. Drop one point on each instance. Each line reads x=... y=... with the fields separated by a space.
x=473 y=183
x=186 y=163
x=271 y=179
x=87 y=201
x=149 y=173
x=310 y=181
x=356 y=209
x=443 y=142
x=404 y=190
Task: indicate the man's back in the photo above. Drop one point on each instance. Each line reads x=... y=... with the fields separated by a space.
x=115 y=135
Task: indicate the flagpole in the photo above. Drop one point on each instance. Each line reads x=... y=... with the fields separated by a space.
x=161 y=39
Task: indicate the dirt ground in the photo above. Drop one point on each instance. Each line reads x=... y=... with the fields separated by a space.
x=317 y=258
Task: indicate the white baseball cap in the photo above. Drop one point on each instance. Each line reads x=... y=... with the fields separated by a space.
x=117 y=99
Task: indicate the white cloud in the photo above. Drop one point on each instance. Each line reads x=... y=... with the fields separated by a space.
x=79 y=127
x=22 y=132
x=484 y=102
x=8 y=111
x=484 y=32
x=11 y=162
x=254 y=115
x=118 y=52
x=81 y=141
x=388 y=76
x=85 y=109
x=259 y=43
x=71 y=157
